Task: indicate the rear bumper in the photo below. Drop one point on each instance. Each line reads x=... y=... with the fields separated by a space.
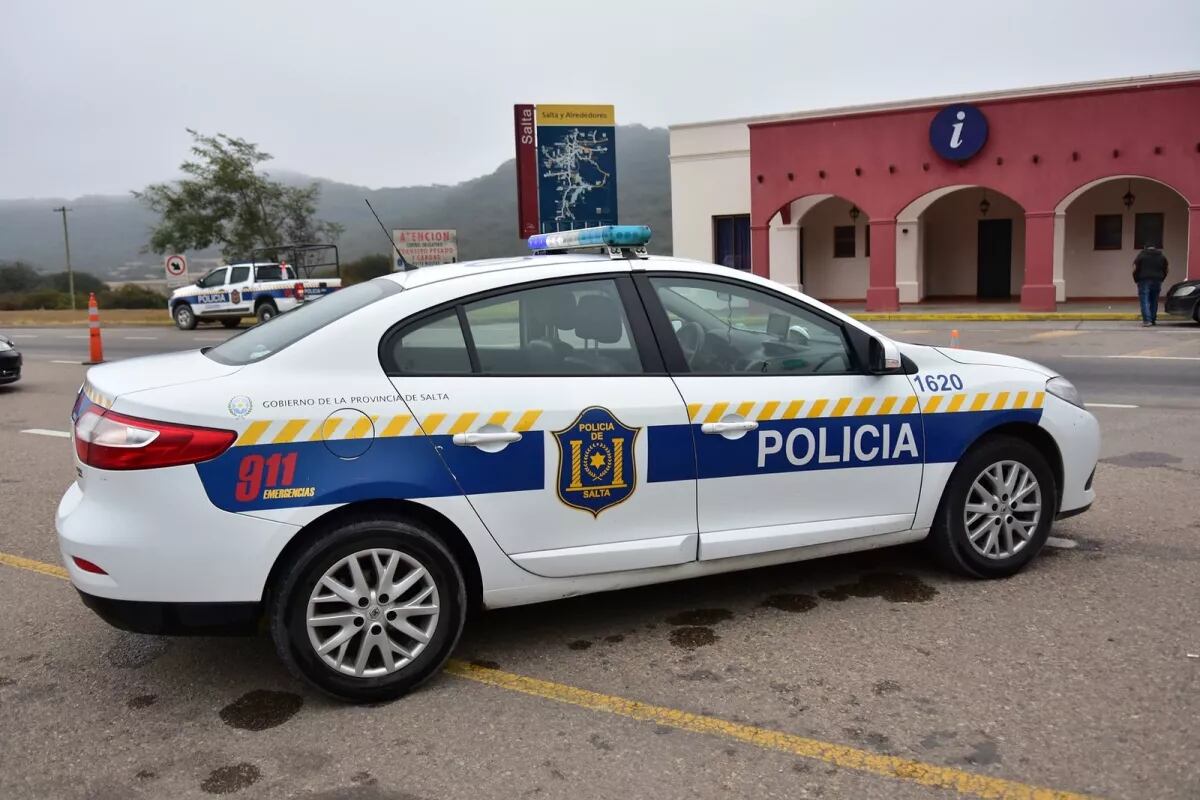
x=176 y=619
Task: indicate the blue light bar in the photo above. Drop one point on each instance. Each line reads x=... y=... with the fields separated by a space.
x=604 y=236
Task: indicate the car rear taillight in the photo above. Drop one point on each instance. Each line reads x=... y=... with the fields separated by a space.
x=300 y=292
x=87 y=566
x=108 y=440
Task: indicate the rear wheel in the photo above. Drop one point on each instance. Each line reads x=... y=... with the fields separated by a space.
x=185 y=318
x=996 y=510
x=266 y=311
x=370 y=610
x=231 y=323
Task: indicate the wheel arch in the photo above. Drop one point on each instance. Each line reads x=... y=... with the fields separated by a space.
x=264 y=300
x=438 y=523
x=1041 y=440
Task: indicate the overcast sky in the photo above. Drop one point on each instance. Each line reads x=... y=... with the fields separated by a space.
x=96 y=95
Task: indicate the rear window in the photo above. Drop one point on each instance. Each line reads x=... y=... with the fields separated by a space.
x=286 y=329
x=273 y=273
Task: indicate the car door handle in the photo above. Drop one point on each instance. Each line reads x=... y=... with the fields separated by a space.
x=728 y=427
x=476 y=439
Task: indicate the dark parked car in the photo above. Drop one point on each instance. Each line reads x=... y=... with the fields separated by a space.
x=1183 y=300
x=10 y=361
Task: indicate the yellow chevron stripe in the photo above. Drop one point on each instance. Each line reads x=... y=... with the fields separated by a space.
x=1022 y=398
x=931 y=405
x=839 y=409
x=290 y=431
x=463 y=422
x=254 y=432
x=396 y=425
x=817 y=408
x=956 y=403
x=793 y=409
x=430 y=425
x=326 y=429
x=744 y=409
x=693 y=410
x=910 y=404
x=527 y=419
x=1001 y=399
x=864 y=406
x=769 y=409
x=980 y=401
x=498 y=418
x=1038 y=399
x=716 y=412
x=887 y=405
x=361 y=427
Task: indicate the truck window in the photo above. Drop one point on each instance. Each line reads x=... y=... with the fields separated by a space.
x=270 y=273
x=239 y=274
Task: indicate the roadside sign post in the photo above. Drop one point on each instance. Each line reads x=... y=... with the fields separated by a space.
x=177 y=270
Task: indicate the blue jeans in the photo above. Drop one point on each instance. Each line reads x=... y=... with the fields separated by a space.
x=1148 y=297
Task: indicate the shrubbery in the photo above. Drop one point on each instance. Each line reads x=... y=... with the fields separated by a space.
x=24 y=289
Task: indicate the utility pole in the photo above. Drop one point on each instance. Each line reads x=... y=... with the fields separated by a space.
x=67 y=243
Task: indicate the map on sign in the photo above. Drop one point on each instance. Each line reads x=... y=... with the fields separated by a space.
x=576 y=163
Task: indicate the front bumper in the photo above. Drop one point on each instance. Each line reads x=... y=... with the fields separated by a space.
x=10 y=366
x=1077 y=434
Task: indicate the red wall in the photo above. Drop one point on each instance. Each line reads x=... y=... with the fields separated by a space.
x=1076 y=138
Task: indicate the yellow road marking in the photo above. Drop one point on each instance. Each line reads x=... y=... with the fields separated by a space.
x=920 y=773
x=41 y=567
x=864 y=406
x=903 y=769
x=290 y=431
x=817 y=407
x=886 y=407
x=253 y=433
x=716 y=412
x=463 y=422
x=980 y=401
x=527 y=419
x=769 y=409
x=793 y=409
x=397 y=424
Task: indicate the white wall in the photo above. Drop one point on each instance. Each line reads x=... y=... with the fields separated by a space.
x=710 y=176
x=950 y=236
x=1108 y=273
x=826 y=277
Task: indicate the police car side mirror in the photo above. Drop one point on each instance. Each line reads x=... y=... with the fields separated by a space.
x=883 y=357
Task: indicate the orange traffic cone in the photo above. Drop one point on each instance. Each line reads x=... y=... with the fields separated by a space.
x=954 y=338
x=95 y=347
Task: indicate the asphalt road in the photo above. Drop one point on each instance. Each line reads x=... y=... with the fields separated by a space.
x=1079 y=674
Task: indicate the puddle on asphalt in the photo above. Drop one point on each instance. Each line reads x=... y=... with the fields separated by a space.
x=701 y=616
x=486 y=663
x=692 y=636
x=142 y=701
x=261 y=709
x=135 y=650
x=615 y=638
x=892 y=587
x=793 y=603
x=1142 y=460
x=230 y=779
x=580 y=644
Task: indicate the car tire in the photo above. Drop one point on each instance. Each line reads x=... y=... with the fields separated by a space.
x=185 y=318
x=266 y=311
x=978 y=551
x=396 y=624
x=231 y=323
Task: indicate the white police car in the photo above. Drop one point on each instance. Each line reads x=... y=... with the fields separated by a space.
x=361 y=471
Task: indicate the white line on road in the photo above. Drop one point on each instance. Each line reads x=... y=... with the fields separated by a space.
x=1152 y=358
x=1110 y=405
x=75 y=337
x=209 y=338
x=76 y=363
x=47 y=432
x=23 y=336
x=140 y=338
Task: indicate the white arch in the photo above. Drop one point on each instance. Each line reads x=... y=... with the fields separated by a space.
x=917 y=207
x=1074 y=195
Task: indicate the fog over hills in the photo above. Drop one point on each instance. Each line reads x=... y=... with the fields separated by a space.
x=108 y=233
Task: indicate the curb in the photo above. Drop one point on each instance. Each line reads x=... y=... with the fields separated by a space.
x=1029 y=316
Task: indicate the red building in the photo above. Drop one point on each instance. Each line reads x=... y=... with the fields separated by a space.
x=1042 y=194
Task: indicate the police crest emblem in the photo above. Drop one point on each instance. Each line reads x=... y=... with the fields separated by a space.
x=596 y=465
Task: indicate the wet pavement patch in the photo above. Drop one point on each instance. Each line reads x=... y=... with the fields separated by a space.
x=615 y=638
x=142 y=701
x=794 y=603
x=1142 y=460
x=486 y=663
x=135 y=650
x=699 y=675
x=892 y=587
x=983 y=752
x=692 y=636
x=701 y=616
x=261 y=709
x=145 y=774
x=580 y=644
x=230 y=779
x=885 y=687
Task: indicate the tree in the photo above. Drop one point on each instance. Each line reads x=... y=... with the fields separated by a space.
x=366 y=268
x=225 y=201
x=18 y=276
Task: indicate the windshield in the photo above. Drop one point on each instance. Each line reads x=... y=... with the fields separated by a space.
x=272 y=336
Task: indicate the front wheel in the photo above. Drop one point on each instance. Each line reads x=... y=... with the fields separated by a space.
x=185 y=318
x=370 y=610
x=996 y=509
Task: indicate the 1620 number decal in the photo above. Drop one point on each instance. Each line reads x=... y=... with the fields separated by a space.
x=938 y=383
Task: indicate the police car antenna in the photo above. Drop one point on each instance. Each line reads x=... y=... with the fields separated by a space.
x=383 y=228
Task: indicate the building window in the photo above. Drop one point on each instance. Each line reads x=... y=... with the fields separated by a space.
x=843 y=241
x=867 y=240
x=731 y=241
x=1108 y=232
x=1147 y=230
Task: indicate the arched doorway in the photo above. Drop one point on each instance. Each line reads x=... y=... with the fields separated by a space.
x=1101 y=226
x=820 y=244
x=960 y=242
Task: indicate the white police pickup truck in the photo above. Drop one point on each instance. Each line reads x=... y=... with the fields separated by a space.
x=228 y=294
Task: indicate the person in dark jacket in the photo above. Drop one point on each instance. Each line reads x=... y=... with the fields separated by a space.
x=1149 y=272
